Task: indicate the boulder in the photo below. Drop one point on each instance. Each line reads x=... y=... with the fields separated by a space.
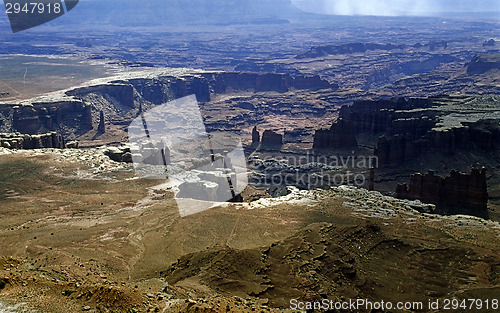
x=72 y=145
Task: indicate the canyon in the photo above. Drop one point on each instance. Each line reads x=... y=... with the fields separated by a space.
x=179 y=156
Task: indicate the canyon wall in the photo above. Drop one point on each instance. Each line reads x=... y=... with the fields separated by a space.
x=340 y=135
x=42 y=117
x=458 y=189
x=407 y=128
x=118 y=102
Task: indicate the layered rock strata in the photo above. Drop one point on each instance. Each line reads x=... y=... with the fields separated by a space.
x=26 y=141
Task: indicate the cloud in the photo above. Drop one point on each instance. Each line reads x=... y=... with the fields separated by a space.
x=395 y=7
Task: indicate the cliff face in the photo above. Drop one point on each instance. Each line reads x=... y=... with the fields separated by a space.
x=399 y=147
x=458 y=189
x=123 y=93
x=340 y=135
x=225 y=82
x=377 y=116
x=45 y=117
x=24 y=141
x=409 y=127
x=271 y=140
x=118 y=102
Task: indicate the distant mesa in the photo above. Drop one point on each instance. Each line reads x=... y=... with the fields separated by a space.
x=186 y=12
x=489 y=43
x=359 y=47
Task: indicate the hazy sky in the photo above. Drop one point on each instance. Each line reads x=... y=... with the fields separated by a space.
x=397 y=7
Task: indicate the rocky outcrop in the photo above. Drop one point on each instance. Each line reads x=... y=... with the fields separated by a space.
x=458 y=189
x=489 y=43
x=122 y=153
x=271 y=140
x=255 y=137
x=26 y=141
x=102 y=126
x=340 y=135
x=42 y=117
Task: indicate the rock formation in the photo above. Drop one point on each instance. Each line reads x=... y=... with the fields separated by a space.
x=255 y=137
x=41 y=117
x=371 y=182
x=340 y=135
x=409 y=127
x=483 y=63
x=102 y=126
x=122 y=153
x=271 y=140
x=458 y=189
x=73 y=144
x=26 y=141
x=489 y=43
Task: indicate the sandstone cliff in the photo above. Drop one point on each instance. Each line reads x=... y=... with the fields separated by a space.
x=406 y=128
x=458 y=189
x=119 y=100
x=340 y=135
x=24 y=141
